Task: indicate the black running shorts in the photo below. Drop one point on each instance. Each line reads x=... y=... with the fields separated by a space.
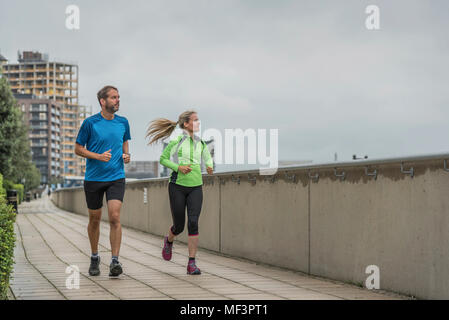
x=94 y=190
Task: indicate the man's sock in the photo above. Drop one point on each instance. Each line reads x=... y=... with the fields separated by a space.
x=191 y=259
x=95 y=255
x=114 y=258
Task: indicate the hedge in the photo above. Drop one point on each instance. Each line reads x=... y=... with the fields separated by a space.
x=9 y=185
x=7 y=243
x=2 y=190
x=20 y=192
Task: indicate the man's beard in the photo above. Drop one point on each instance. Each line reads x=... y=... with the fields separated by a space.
x=111 y=109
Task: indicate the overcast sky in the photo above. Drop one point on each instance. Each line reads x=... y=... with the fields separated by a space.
x=308 y=68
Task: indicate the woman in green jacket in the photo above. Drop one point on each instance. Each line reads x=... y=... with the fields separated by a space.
x=183 y=155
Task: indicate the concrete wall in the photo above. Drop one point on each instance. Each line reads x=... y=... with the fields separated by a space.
x=330 y=228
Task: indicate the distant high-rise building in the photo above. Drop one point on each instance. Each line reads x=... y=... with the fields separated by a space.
x=58 y=81
x=43 y=117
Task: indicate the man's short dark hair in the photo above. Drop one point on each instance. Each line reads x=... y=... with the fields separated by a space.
x=103 y=93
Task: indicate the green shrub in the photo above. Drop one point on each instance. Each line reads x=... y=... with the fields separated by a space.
x=7 y=243
x=20 y=191
x=7 y=184
x=2 y=190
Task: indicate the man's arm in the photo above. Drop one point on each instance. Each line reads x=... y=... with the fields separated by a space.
x=83 y=152
x=126 y=147
x=126 y=154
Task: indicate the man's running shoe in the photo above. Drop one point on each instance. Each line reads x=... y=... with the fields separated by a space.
x=167 y=249
x=192 y=268
x=94 y=269
x=115 y=268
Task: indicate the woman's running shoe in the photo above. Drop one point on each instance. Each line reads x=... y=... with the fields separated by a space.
x=167 y=249
x=192 y=268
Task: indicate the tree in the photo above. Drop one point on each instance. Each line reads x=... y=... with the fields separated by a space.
x=31 y=178
x=9 y=125
x=15 y=155
x=55 y=180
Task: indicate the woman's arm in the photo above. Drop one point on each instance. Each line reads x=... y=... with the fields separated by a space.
x=207 y=159
x=165 y=158
x=166 y=154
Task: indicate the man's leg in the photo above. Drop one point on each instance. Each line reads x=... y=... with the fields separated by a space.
x=94 y=197
x=114 y=196
x=115 y=233
x=93 y=229
x=94 y=192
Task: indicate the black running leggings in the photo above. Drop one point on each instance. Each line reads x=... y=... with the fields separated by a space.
x=180 y=197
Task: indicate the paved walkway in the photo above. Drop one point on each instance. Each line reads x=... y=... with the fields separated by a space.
x=49 y=240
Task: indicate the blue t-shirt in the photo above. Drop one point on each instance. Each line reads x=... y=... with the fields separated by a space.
x=99 y=135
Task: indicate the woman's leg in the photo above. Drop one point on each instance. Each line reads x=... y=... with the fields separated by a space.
x=193 y=245
x=177 y=205
x=194 y=203
x=170 y=236
x=178 y=208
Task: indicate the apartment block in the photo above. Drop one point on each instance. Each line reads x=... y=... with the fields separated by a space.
x=43 y=117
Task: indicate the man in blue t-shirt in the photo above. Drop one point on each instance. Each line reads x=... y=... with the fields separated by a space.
x=103 y=140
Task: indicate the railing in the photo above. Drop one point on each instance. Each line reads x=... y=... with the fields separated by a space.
x=332 y=219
